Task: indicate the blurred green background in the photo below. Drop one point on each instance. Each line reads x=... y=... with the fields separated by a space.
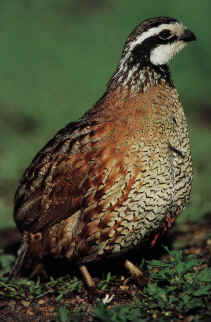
x=55 y=59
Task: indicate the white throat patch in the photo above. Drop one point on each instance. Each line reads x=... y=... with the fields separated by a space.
x=163 y=53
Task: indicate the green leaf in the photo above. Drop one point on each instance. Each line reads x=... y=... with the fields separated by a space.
x=63 y=314
x=206 y=290
x=205 y=275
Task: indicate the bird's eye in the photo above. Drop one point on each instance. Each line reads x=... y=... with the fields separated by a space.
x=165 y=34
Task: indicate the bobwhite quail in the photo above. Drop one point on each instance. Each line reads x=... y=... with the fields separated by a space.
x=122 y=174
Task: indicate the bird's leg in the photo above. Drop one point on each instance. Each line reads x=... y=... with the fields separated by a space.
x=135 y=273
x=133 y=269
x=87 y=277
x=39 y=269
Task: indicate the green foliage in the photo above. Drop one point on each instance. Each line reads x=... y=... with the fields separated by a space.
x=119 y=313
x=63 y=314
x=5 y=263
x=104 y=283
x=175 y=285
x=178 y=283
x=182 y=288
x=78 y=313
x=25 y=288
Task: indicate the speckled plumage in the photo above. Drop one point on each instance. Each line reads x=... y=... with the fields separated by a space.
x=116 y=178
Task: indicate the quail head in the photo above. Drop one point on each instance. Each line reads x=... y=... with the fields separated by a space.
x=121 y=175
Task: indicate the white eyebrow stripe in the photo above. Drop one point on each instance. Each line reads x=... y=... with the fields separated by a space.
x=151 y=32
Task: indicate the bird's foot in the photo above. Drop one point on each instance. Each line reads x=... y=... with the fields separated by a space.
x=135 y=273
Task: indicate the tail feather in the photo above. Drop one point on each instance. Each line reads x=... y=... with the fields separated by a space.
x=21 y=254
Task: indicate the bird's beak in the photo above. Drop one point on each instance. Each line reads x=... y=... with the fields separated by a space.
x=187 y=36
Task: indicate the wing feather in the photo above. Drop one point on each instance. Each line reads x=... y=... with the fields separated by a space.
x=82 y=167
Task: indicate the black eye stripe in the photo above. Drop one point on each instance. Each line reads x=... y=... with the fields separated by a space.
x=165 y=34
x=152 y=42
x=141 y=52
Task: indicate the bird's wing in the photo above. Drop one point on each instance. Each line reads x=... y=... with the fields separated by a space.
x=83 y=167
